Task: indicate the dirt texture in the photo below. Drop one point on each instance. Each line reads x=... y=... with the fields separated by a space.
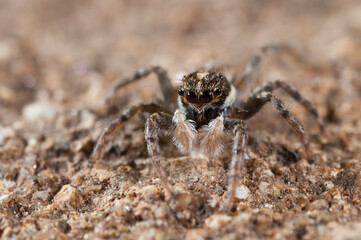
x=58 y=59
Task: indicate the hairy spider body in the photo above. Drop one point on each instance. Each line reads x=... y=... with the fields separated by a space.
x=203 y=99
x=203 y=96
x=206 y=105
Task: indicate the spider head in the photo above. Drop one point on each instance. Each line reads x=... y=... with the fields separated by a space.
x=204 y=89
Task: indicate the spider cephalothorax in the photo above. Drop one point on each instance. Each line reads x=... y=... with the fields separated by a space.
x=204 y=94
x=207 y=104
x=203 y=89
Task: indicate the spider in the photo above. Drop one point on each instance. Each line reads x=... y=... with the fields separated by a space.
x=207 y=103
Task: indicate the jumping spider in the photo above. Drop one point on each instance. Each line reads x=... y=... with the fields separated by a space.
x=207 y=103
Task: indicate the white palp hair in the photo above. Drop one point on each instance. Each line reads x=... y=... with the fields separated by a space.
x=184 y=132
x=211 y=143
x=231 y=98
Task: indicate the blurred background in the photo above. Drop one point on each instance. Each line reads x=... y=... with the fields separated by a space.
x=58 y=59
x=70 y=51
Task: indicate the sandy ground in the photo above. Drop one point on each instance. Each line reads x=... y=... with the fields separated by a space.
x=59 y=58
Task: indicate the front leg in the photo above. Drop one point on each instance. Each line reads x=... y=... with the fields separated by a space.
x=156 y=123
x=119 y=122
x=239 y=129
x=257 y=101
x=291 y=91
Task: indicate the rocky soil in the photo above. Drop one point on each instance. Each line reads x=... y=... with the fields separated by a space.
x=58 y=59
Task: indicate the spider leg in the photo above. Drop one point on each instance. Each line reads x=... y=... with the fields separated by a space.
x=158 y=122
x=250 y=72
x=291 y=91
x=239 y=130
x=165 y=83
x=259 y=99
x=119 y=122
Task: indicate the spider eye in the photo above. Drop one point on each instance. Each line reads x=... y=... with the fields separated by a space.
x=206 y=97
x=217 y=92
x=192 y=97
x=180 y=92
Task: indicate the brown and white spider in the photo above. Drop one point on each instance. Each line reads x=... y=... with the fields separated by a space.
x=207 y=103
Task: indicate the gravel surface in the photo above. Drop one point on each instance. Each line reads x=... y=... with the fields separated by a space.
x=59 y=58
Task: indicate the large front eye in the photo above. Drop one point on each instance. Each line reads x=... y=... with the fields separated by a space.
x=206 y=97
x=192 y=97
x=217 y=92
